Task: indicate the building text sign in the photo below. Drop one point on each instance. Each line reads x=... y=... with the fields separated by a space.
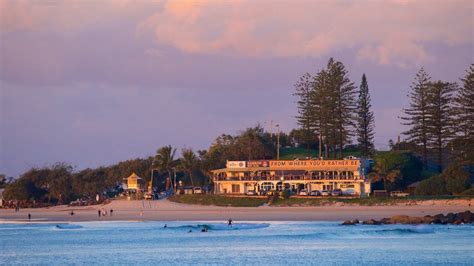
x=311 y=164
x=236 y=164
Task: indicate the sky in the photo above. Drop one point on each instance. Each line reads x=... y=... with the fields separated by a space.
x=92 y=83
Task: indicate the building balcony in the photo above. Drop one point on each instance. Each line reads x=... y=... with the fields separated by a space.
x=287 y=178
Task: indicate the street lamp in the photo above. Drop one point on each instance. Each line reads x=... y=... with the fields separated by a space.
x=180 y=185
x=282 y=183
x=278 y=141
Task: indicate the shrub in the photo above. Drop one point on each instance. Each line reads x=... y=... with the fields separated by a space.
x=457 y=178
x=468 y=192
x=433 y=186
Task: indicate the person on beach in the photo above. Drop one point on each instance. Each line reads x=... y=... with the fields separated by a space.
x=111 y=212
x=29 y=216
x=98 y=212
x=71 y=213
x=229 y=223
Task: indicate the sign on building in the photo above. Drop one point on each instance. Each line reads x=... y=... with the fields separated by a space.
x=258 y=164
x=236 y=164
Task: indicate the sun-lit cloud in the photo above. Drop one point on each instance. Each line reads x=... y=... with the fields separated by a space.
x=394 y=32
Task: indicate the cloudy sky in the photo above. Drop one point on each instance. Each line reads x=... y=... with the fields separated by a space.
x=94 y=82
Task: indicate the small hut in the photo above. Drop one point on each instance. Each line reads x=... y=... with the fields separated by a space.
x=134 y=182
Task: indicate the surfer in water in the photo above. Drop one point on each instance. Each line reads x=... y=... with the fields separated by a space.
x=165 y=226
x=229 y=222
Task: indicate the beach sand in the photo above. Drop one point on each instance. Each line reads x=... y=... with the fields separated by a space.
x=164 y=210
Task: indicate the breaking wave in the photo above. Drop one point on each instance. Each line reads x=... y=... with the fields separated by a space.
x=222 y=227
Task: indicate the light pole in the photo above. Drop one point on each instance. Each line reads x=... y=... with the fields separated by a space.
x=282 y=178
x=180 y=185
x=278 y=141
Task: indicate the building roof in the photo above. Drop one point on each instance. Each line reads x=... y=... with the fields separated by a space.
x=414 y=185
x=134 y=176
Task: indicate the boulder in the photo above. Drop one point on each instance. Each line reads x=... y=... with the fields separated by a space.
x=450 y=218
x=350 y=222
x=371 y=222
x=466 y=217
x=405 y=219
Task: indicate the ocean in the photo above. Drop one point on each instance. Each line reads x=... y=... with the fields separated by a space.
x=249 y=243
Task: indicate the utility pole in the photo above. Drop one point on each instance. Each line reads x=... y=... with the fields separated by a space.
x=398 y=143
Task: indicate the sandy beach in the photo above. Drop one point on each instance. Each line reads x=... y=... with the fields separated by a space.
x=164 y=210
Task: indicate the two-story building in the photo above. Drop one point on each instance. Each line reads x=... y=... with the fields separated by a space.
x=240 y=177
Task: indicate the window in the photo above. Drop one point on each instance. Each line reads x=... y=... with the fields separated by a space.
x=235 y=188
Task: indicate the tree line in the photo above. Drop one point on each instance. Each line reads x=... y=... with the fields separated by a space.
x=331 y=111
x=440 y=118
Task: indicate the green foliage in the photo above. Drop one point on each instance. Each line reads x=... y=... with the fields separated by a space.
x=3 y=180
x=285 y=194
x=457 y=178
x=397 y=169
x=433 y=186
x=468 y=192
x=165 y=161
x=218 y=200
x=454 y=180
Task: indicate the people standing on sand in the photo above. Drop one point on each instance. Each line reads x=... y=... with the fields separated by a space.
x=71 y=213
x=111 y=212
x=29 y=216
x=98 y=212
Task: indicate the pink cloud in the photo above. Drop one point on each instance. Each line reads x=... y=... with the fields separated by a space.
x=393 y=32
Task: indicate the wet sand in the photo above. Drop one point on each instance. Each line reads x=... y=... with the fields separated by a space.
x=164 y=210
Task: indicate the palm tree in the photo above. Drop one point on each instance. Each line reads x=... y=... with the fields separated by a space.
x=165 y=161
x=188 y=163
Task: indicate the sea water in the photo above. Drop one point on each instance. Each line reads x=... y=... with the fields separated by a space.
x=254 y=243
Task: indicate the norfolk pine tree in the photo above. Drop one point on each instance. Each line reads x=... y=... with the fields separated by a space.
x=305 y=117
x=417 y=114
x=439 y=119
x=465 y=116
x=365 y=120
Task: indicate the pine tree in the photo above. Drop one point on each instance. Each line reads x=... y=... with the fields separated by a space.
x=322 y=103
x=439 y=118
x=343 y=94
x=305 y=118
x=365 y=120
x=465 y=116
x=417 y=114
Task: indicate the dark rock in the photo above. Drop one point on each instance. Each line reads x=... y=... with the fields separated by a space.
x=350 y=222
x=385 y=221
x=371 y=222
x=450 y=217
x=405 y=219
x=466 y=217
x=458 y=222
